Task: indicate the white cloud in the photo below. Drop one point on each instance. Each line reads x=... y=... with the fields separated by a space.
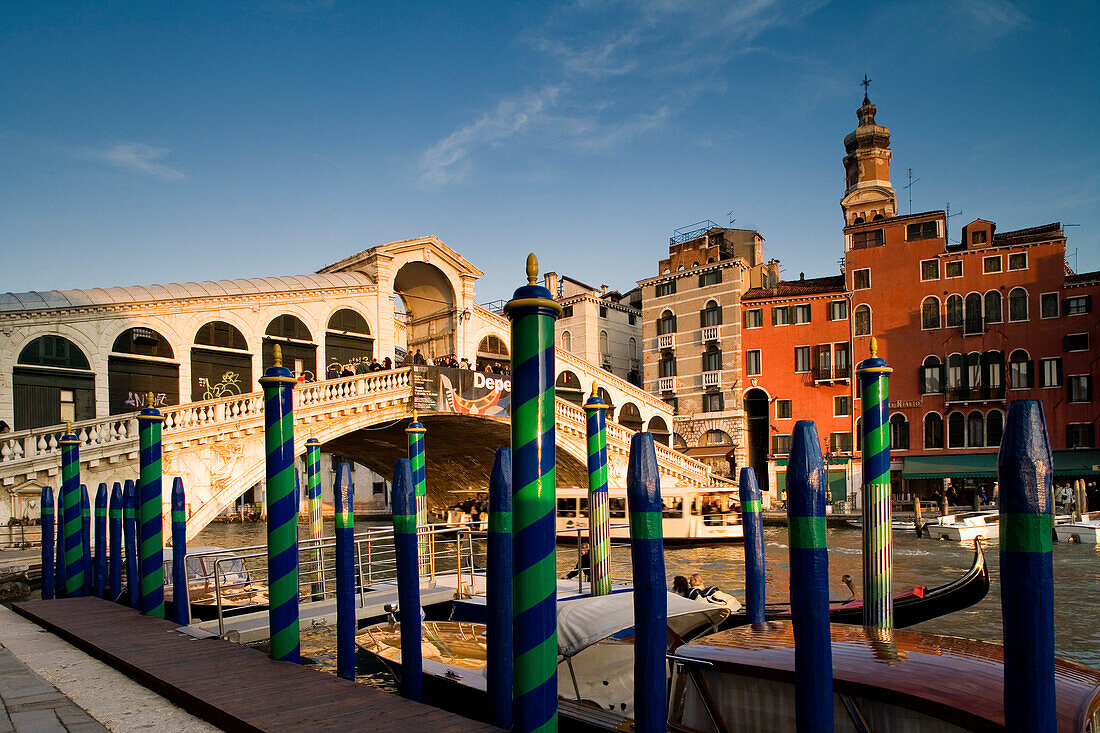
x=139 y=157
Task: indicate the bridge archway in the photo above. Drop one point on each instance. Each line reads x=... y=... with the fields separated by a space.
x=52 y=382
x=429 y=300
x=491 y=351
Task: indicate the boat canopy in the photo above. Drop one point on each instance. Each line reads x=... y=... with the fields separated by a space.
x=584 y=621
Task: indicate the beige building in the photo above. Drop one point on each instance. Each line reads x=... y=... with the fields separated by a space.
x=691 y=338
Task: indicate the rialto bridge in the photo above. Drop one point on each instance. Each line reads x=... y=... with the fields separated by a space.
x=92 y=356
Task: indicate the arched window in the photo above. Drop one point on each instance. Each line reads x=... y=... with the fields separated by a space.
x=666 y=367
x=933 y=430
x=605 y=347
x=862 y=315
x=711 y=315
x=293 y=338
x=491 y=352
x=1017 y=304
x=348 y=321
x=566 y=341
x=288 y=327
x=1019 y=370
x=859 y=434
x=53 y=351
x=712 y=359
x=975 y=429
x=633 y=347
x=973 y=313
x=993 y=367
x=716 y=437
x=930 y=312
x=954 y=311
x=666 y=323
x=931 y=376
x=956 y=430
x=954 y=371
x=629 y=416
x=993 y=306
x=138 y=364
x=348 y=343
x=994 y=427
x=659 y=428
x=899 y=432
x=568 y=387
x=223 y=370
x=221 y=334
x=973 y=372
x=52 y=382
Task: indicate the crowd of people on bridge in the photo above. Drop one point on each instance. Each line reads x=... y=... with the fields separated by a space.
x=451 y=361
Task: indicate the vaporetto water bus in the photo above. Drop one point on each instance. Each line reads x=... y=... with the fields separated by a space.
x=692 y=515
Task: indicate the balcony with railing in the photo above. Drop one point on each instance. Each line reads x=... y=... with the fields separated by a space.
x=666 y=341
x=666 y=384
x=832 y=373
x=957 y=395
x=712 y=380
x=973 y=325
x=710 y=333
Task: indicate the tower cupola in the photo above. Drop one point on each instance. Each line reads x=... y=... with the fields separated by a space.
x=868 y=194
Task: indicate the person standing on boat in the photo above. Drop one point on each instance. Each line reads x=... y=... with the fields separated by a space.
x=584 y=564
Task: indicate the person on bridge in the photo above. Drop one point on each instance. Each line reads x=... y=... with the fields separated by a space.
x=387 y=363
x=418 y=358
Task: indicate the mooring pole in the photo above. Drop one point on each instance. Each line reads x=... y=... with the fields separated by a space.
x=415 y=432
x=403 y=503
x=344 y=497
x=149 y=508
x=59 y=556
x=72 y=516
x=813 y=652
x=99 y=576
x=282 y=510
x=599 y=517
x=86 y=538
x=878 y=603
x=752 y=519
x=498 y=590
x=313 y=497
x=181 y=598
x=532 y=312
x=130 y=528
x=114 y=581
x=1025 y=468
x=49 y=524
x=647 y=559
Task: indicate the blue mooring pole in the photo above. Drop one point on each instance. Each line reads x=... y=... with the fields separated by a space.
x=59 y=557
x=130 y=529
x=99 y=572
x=498 y=590
x=49 y=524
x=753 y=521
x=813 y=652
x=86 y=538
x=114 y=580
x=1024 y=471
x=181 y=599
x=408 y=577
x=344 y=495
x=647 y=559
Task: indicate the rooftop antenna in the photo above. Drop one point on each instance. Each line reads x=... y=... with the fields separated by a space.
x=909 y=187
x=947 y=221
x=731 y=217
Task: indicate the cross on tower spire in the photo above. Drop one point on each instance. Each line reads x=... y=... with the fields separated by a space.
x=865 y=83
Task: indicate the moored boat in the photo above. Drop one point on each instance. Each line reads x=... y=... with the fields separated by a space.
x=1086 y=530
x=690 y=516
x=965 y=527
x=215 y=574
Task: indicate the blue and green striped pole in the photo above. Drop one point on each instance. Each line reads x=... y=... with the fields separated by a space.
x=313 y=502
x=99 y=576
x=647 y=559
x=403 y=502
x=130 y=529
x=498 y=590
x=282 y=510
x=344 y=495
x=532 y=312
x=809 y=558
x=149 y=507
x=71 y=514
x=49 y=525
x=1025 y=468
x=86 y=538
x=599 y=517
x=416 y=431
x=181 y=598
x=752 y=519
x=114 y=582
x=59 y=556
x=878 y=602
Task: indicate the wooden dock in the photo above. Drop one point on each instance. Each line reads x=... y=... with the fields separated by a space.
x=231 y=686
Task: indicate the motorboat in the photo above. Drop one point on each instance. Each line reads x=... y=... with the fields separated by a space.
x=689 y=515
x=966 y=527
x=595 y=636
x=907 y=681
x=914 y=606
x=896 y=525
x=1086 y=530
x=216 y=575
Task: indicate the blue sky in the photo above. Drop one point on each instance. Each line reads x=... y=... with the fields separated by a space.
x=147 y=142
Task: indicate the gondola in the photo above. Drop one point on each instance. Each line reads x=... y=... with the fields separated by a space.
x=911 y=607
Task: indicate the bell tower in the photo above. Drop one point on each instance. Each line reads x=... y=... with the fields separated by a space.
x=868 y=194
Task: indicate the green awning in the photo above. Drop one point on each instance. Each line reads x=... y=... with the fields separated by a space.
x=1076 y=462
x=955 y=466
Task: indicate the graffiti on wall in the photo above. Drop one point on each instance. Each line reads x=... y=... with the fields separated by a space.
x=230 y=384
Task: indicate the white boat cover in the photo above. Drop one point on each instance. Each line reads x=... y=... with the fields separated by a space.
x=584 y=621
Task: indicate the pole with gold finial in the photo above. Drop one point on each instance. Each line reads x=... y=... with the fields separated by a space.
x=416 y=432
x=282 y=510
x=150 y=512
x=71 y=559
x=313 y=500
x=533 y=311
x=599 y=518
x=878 y=604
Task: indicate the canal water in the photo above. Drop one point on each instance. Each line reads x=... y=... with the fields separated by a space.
x=916 y=562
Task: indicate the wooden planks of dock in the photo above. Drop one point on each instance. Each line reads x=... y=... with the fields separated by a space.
x=231 y=686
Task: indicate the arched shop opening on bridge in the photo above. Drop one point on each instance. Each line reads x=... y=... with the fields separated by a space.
x=492 y=352
x=630 y=417
x=296 y=343
x=52 y=382
x=221 y=364
x=568 y=387
x=142 y=362
x=348 y=343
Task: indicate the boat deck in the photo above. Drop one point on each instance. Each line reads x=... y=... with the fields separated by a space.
x=231 y=686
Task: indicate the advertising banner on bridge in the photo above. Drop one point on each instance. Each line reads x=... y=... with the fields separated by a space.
x=440 y=389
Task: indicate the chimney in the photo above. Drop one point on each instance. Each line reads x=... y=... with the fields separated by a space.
x=773 y=274
x=603 y=289
x=550 y=280
x=801 y=276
